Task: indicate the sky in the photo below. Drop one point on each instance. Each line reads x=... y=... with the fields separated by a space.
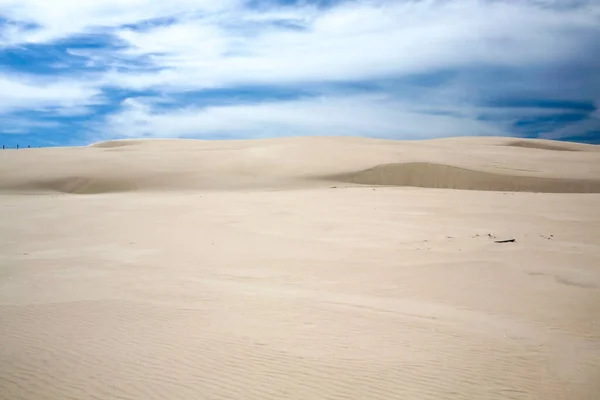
x=74 y=72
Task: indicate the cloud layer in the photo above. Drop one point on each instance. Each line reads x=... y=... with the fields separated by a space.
x=76 y=71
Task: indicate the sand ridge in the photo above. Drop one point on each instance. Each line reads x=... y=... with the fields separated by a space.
x=548 y=145
x=270 y=164
x=429 y=175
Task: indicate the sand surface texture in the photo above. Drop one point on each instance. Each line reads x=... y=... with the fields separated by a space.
x=303 y=268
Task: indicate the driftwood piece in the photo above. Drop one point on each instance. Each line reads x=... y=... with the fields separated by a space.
x=505 y=241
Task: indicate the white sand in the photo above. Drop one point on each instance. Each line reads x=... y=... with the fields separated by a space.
x=278 y=269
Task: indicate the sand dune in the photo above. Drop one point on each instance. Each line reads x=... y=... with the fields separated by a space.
x=301 y=268
x=164 y=165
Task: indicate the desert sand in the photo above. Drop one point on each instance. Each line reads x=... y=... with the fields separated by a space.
x=301 y=268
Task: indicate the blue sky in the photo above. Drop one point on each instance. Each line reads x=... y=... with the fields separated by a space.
x=74 y=72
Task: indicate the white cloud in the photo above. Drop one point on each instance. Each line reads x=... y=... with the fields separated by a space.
x=59 y=19
x=222 y=43
x=62 y=97
x=374 y=115
x=356 y=40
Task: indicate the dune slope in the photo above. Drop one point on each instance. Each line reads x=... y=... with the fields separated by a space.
x=429 y=175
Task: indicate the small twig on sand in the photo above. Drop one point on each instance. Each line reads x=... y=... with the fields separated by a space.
x=505 y=241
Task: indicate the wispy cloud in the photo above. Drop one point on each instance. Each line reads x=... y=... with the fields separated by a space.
x=17 y=125
x=398 y=69
x=63 y=97
x=41 y=21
